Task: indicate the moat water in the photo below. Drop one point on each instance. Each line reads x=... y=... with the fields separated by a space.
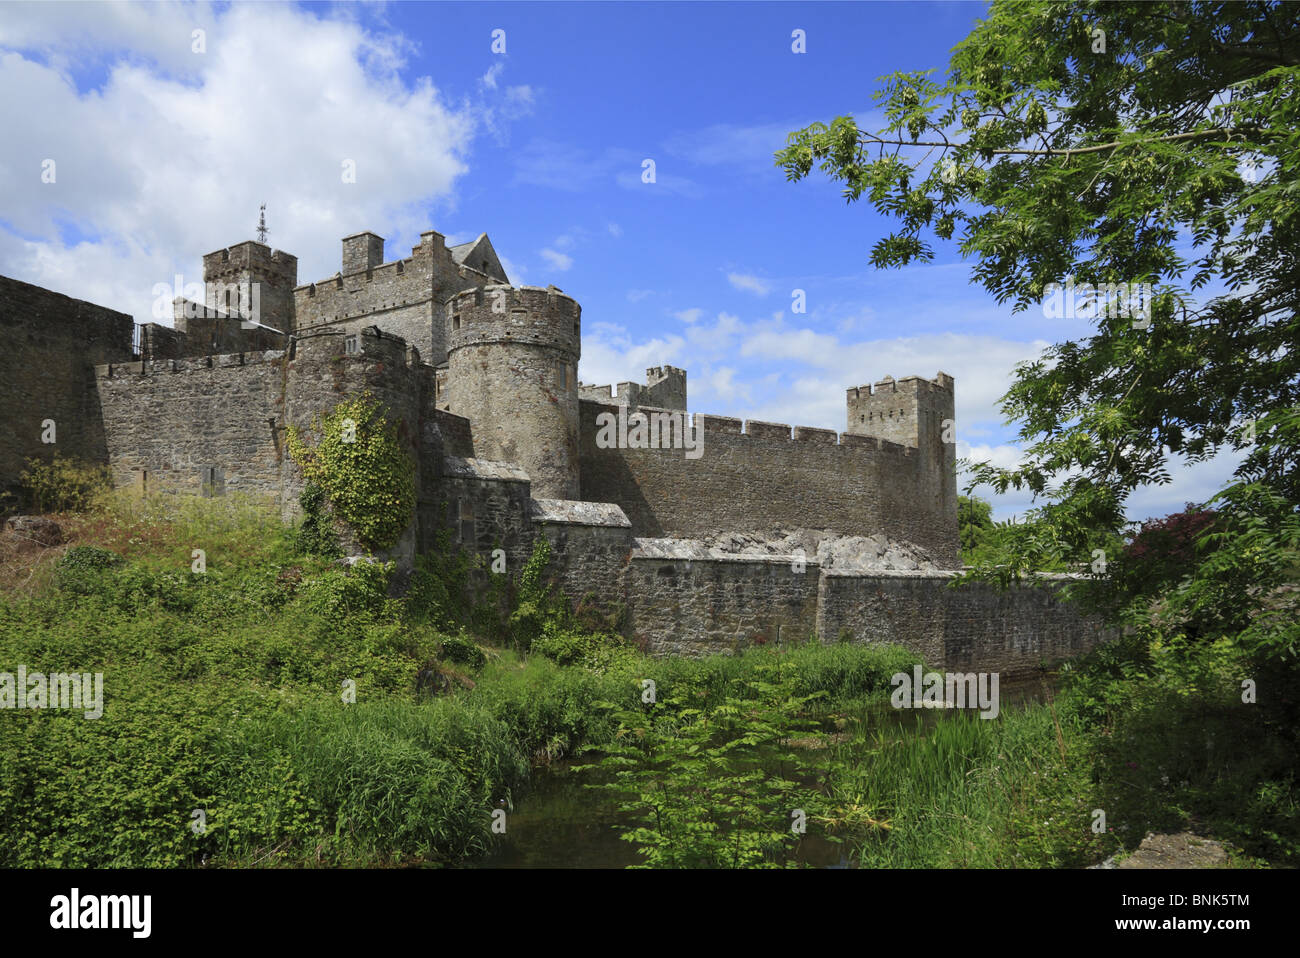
x=561 y=822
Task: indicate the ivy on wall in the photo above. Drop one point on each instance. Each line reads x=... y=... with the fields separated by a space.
x=359 y=463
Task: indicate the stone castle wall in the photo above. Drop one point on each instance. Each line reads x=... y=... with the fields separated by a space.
x=687 y=601
x=762 y=476
x=973 y=627
x=47 y=371
x=504 y=443
x=591 y=545
x=167 y=421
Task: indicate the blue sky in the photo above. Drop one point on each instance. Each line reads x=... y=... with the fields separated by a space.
x=164 y=153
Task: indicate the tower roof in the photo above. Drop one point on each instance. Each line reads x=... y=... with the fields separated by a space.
x=478 y=254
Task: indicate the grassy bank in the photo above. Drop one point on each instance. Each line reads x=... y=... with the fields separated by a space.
x=224 y=691
x=1132 y=743
x=315 y=717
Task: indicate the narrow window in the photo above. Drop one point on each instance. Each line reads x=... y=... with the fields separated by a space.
x=350 y=345
x=455 y=321
x=466 y=520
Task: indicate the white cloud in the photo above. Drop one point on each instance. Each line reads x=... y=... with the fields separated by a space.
x=689 y=315
x=518 y=101
x=748 y=283
x=615 y=230
x=722 y=384
x=610 y=356
x=161 y=171
x=489 y=79
x=557 y=260
x=636 y=295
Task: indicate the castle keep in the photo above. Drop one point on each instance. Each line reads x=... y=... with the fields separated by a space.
x=763 y=533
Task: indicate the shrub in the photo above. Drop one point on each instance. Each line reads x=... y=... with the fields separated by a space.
x=63 y=485
x=359 y=592
x=81 y=569
x=360 y=463
x=462 y=650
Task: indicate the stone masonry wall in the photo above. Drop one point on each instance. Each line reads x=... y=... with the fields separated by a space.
x=403 y=298
x=709 y=604
x=971 y=628
x=174 y=418
x=47 y=371
x=590 y=547
x=483 y=506
x=761 y=479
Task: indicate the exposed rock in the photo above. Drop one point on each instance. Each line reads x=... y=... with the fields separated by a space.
x=1180 y=850
x=846 y=553
x=36 y=528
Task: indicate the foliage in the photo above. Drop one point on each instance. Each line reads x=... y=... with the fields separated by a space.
x=438 y=592
x=81 y=567
x=958 y=791
x=974 y=520
x=536 y=604
x=360 y=464
x=315 y=535
x=699 y=782
x=1177 y=743
x=63 y=485
x=222 y=693
x=463 y=650
x=1057 y=153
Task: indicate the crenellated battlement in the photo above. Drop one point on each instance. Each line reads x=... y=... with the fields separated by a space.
x=664 y=388
x=911 y=410
x=159 y=367
x=942 y=383
x=761 y=433
x=251 y=254
x=530 y=315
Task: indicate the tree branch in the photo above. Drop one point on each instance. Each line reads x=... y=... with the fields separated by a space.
x=868 y=138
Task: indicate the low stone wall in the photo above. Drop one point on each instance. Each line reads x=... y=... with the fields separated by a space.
x=692 y=601
x=686 y=599
x=971 y=628
x=485 y=505
x=591 y=543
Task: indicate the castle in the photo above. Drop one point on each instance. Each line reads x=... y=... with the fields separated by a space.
x=481 y=378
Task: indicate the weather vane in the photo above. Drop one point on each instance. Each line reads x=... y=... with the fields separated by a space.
x=261 y=225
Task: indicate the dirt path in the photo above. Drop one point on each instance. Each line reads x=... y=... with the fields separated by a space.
x=1180 y=850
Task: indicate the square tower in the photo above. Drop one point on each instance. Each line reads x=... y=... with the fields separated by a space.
x=918 y=413
x=910 y=411
x=362 y=251
x=230 y=275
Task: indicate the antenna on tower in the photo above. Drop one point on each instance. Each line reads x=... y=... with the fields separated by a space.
x=261 y=225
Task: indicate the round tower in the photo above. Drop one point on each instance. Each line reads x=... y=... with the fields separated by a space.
x=512 y=371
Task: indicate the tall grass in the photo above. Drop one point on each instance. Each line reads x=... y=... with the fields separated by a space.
x=963 y=792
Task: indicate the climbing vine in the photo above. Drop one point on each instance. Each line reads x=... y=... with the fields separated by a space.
x=360 y=465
